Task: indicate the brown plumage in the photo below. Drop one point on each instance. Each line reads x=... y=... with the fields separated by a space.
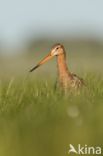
x=66 y=79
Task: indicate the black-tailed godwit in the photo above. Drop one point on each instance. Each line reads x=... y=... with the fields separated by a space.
x=66 y=79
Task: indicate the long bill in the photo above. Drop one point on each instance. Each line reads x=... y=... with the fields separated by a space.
x=47 y=58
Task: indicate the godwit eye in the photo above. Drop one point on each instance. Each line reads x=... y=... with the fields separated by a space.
x=57 y=48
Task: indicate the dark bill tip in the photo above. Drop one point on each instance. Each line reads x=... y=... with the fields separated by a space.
x=31 y=70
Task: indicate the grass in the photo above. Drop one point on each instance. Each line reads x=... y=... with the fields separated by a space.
x=36 y=120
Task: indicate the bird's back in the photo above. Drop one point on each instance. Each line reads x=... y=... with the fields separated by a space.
x=76 y=82
x=70 y=83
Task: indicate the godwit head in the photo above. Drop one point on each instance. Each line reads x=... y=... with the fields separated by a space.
x=66 y=78
x=56 y=50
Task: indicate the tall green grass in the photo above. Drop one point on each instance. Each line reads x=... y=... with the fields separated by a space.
x=36 y=120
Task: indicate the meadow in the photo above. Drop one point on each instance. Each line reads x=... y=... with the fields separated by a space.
x=37 y=120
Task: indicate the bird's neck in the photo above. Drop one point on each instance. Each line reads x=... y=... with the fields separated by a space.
x=62 y=68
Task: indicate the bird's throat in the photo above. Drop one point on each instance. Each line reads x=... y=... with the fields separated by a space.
x=63 y=71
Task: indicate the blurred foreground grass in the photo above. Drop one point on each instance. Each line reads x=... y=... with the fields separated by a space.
x=36 y=120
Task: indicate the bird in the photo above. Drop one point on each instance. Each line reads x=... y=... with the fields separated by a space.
x=66 y=80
